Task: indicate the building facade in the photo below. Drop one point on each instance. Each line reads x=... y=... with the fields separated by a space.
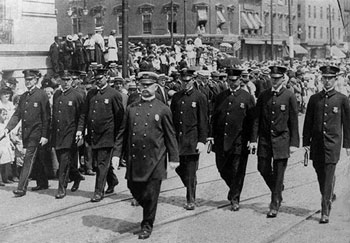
x=345 y=10
x=27 y=28
x=321 y=28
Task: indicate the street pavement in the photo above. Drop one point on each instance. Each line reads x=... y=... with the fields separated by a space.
x=39 y=217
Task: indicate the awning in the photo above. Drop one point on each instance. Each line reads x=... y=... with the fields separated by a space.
x=254 y=42
x=258 y=20
x=221 y=18
x=275 y=42
x=252 y=20
x=246 y=24
x=202 y=14
x=298 y=49
x=337 y=53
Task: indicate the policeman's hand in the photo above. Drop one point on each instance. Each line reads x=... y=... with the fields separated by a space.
x=200 y=147
x=43 y=141
x=174 y=165
x=293 y=149
x=252 y=147
x=210 y=139
x=78 y=136
x=307 y=148
x=348 y=151
x=115 y=162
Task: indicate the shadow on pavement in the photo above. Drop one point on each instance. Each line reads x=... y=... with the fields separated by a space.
x=112 y=224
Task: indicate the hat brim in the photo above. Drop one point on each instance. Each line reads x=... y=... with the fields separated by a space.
x=147 y=81
x=276 y=75
x=232 y=78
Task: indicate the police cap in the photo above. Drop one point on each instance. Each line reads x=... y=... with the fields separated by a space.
x=31 y=73
x=277 y=71
x=329 y=71
x=148 y=77
x=233 y=73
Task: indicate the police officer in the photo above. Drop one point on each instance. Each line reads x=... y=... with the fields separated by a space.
x=327 y=119
x=276 y=127
x=150 y=138
x=67 y=105
x=190 y=115
x=231 y=123
x=34 y=112
x=103 y=112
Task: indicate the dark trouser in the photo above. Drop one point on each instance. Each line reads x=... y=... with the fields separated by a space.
x=273 y=174
x=187 y=172
x=146 y=194
x=66 y=168
x=88 y=157
x=104 y=170
x=326 y=180
x=28 y=163
x=232 y=168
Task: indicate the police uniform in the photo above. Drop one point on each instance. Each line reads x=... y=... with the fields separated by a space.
x=277 y=129
x=66 y=109
x=34 y=112
x=190 y=116
x=149 y=137
x=231 y=123
x=103 y=113
x=326 y=130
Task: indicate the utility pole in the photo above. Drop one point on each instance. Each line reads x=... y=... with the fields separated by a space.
x=125 y=39
x=271 y=13
x=185 y=30
x=291 y=40
x=172 y=24
x=330 y=29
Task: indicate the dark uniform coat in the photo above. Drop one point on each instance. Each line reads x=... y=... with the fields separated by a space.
x=34 y=111
x=66 y=110
x=149 y=137
x=232 y=121
x=103 y=113
x=190 y=116
x=276 y=124
x=327 y=118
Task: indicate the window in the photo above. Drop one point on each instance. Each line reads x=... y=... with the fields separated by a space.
x=315 y=32
x=76 y=23
x=309 y=32
x=174 y=22
x=333 y=33
x=315 y=12
x=120 y=24
x=309 y=11
x=2 y=10
x=333 y=14
x=327 y=13
x=327 y=33
x=321 y=12
x=98 y=21
x=147 y=23
x=321 y=32
x=299 y=10
x=338 y=33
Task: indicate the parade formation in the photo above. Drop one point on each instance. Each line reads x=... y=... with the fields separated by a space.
x=177 y=102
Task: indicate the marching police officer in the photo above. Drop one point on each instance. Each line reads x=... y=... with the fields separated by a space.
x=276 y=127
x=327 y=119
x=67 y=105
x=190 y=115
x=103 y=112
x=34 y=112
x=149 y=137
x=231 y=122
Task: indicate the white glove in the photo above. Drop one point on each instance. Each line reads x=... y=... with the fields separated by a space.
x=200 y=147
x=210 y=140
x=293 y=149
x=115 y=162
x=43 y=141
x=348 y=151
x=174 y=165
x=307 y=148
x=252 y=146
x=78 y=136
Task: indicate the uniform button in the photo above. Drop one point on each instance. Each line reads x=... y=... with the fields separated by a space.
x=226 y=123
x=96 y=101
x=133 y=155
x=150 y=105
x=273 y=113
x=229 y=103
x=271 y=131
x=92 y=120
x=180 y=123
x=225 y=134
x=148 y=114
x=58 y=130
x=180 y=133
x=59 y=111
x=26 y=103
x=144 y=156
x=133 y=145
x=145 y=135
x=326 y=105
x=326 y=96
x=324 y=132
x=60 y=102
x=146 y=124
x=274 y=102
x=133 y=134
x=58 y=120
x=324 y=123
x=181 y=112
x=228 y=113
x=94 y=111
x=325 y=114
x=183 y=102
x=272 y=122
x=137 y=114
x=143 y=146
x=140 y=105
x=135 y=124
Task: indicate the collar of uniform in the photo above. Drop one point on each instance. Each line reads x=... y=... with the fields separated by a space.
x=32 y=90
x=278 y=91
x=329 y=92
x=235 y=90
x=147 y=99
x=103 y=89
x=67 y=91
x=189 y=92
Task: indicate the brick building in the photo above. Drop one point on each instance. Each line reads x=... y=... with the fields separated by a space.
x=321 y=34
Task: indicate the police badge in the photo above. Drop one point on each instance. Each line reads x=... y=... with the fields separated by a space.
x=283 y=107
x=194 y=104
x=335 y=110
x=106 y=101
x=35 y=104
x=242 y=105
x=156 y=117
x=70 y=103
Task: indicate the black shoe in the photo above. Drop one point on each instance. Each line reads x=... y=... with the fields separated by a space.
x=96 y=198
x=234 y=206
x=60 y=195
x=272 y=213
x=110 y=189
x=38 y=188
x=189 y=206
x=324 y=219
x=19 y=193
x=145 y=234
x=81 y=177
x=75 y=185
x=90 y=173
